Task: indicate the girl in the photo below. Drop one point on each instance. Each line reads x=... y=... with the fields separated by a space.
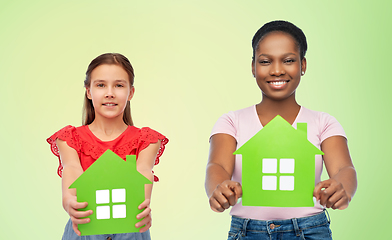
x=278 y=64
x=107 y=124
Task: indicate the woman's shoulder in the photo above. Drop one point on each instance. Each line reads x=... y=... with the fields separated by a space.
x=236 y=114
x=231 y=122
x=323 y=123
x=320 y=117
x=247 y=110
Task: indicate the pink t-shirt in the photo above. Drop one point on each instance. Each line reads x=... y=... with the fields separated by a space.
x=244 y=124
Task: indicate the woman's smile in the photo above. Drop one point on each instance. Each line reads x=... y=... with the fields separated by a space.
x=278 y=84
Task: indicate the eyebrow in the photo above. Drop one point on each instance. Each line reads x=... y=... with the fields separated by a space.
x=284 y=55
x=101 y=80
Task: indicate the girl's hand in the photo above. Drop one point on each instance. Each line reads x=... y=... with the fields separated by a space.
x=225 y=195
x=146 y=214
x=71 y=206
x=332 y=194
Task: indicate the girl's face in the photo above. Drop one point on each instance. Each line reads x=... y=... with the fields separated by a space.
x=277 y=66
x=109 y=90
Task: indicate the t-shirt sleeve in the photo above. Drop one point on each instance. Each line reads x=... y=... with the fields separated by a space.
x=148 y=136
x=330 y=127
x=67 y=134
x=225 y=124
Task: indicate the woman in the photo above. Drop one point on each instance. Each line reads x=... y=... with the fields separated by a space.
x=279 y=62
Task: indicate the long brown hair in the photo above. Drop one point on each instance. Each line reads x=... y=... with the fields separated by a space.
x=107 y=58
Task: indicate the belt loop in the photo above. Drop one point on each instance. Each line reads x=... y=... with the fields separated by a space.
x=329 y=219
x=244 y=226
x=296 y=228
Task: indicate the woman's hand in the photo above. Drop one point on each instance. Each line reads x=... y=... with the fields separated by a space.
x=222 y=192
x=146 y=214
x=71 y=206
x=331 y=194
x=225 y=195
x=339 y=189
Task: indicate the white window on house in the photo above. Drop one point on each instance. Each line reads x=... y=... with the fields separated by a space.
x=274 y=171
x=116 y=203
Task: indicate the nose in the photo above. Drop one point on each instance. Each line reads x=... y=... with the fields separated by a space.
x=109 y=93
x=277 y=69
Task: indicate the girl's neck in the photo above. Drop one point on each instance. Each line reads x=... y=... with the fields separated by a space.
x=107 y=129
x=267 y=109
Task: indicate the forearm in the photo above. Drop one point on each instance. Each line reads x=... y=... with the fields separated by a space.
x=70 y=174
x=347 y=176
x=215 y=174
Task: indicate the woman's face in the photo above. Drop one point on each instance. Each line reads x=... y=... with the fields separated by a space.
x=277 y=66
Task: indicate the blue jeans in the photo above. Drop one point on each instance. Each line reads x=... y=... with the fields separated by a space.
x=314 y=227
x=69 y=234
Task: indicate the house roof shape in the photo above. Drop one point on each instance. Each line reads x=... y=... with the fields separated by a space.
x=111 y=172
x=278 y=140
x=277 y=133
x=108 y=169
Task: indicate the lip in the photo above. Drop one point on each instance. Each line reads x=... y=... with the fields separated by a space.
x=278 y=83
x=109 y=104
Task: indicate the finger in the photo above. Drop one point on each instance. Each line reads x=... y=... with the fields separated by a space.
x=230 y=195
x=79 y=214
x=341 y=204
x=145 y=228
x=215 y=205
x=143 y=214
x=79 y=220
x=332 y=193
x=237 y=189
x=325 y=195
x=318 y=188
x=144 y=204
x=75 y=228
x=222 y=198
x=78 y=205
x=143 y=222
x=335 y=197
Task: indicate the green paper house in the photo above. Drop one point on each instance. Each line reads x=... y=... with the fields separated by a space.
x=278 y=166
x=113 y=189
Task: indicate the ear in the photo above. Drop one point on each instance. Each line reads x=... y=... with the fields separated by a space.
x=131 y=92
x=253 y=68
x=303 y=66
x=88 y=93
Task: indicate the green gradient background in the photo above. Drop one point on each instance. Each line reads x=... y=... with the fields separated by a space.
x=192 y=64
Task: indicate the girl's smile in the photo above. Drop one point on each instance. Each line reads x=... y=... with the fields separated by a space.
x=109 y=104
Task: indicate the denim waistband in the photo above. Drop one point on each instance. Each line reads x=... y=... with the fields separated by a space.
x=270 y=226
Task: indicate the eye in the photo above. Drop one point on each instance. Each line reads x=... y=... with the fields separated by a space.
x=289 y=61
x=119 y=85
x=100 y=85
x=264 y=62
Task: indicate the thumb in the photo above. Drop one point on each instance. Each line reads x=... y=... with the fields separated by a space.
x=237 y=190
x=319 y=186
